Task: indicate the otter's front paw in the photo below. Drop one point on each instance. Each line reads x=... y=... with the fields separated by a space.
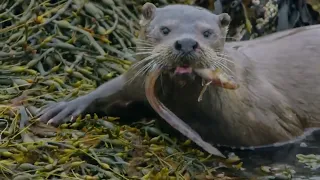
x=59 y=112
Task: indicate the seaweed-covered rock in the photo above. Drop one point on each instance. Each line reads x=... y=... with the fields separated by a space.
x=255 y=18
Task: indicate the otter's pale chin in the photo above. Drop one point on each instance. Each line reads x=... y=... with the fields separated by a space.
x=183 y=70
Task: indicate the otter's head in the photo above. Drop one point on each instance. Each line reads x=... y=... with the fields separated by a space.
x=181 y=38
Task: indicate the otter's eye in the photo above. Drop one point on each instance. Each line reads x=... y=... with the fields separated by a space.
x=165 y=30
x=207 y=33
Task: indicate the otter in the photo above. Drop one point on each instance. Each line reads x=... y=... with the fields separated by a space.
x=278 y=98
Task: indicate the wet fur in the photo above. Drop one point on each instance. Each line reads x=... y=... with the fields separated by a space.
x=263 y=110
x=279 y=94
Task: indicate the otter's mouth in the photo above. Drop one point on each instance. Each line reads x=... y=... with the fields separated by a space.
x=183 y=70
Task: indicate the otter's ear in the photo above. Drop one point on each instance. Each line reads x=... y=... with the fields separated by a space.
x=225 y=19
x=148 y=11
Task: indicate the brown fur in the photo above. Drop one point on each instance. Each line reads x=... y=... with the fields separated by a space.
x=278 y=98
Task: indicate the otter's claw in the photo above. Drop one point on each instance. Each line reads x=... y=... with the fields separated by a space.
x=58 y=113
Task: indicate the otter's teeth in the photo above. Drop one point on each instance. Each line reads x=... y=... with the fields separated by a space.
x=183 y=70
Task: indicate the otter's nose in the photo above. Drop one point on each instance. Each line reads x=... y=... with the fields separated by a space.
x=186 y=45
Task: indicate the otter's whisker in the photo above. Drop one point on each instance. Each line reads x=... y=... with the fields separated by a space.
x=226 y=60
x=218 y=55
x=158 y=56
x=141 y=44
x=205 y=64
x=227 y=37
x=143 y=41
x=225 y=68
x=150 y=37
x=222 y=53
x=143 y=69
x=134 y=66
x=217 y=63
x=150 y=66
x=139 y=72
x=145 y=49
x=213 y=61
x=132 y=47
x=142 y=53
x=145 y=59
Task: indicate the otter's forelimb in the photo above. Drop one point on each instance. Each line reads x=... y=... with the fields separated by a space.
x=106 y=93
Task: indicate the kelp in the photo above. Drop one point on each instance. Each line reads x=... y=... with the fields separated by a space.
x=256 y=18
